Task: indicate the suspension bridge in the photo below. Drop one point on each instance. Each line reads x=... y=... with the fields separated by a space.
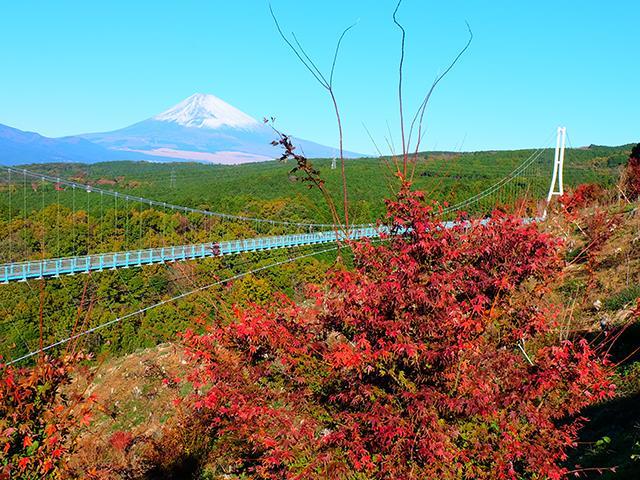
x=147 y=227
x=22 y=271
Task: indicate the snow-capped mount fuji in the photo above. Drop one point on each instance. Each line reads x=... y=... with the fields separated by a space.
x=200 y=128
x=206 y=111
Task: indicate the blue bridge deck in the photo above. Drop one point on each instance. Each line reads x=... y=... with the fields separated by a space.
x=22 y=271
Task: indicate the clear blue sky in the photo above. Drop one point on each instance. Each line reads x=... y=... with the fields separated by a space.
x=76 y=66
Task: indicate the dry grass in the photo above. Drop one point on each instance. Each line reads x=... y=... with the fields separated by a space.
x=135 y=394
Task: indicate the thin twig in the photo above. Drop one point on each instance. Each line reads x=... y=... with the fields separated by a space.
x=400 y=68
x=519 y=344
x=423 y=106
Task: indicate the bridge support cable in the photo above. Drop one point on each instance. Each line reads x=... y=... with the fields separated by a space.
x=108 y=226
x=506 y=186
x=80 y=243
x=161 y=303
x=60 y=182
x=523 y=186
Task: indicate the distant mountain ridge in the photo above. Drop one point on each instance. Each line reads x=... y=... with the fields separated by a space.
x=19 y=147
x=201 y=128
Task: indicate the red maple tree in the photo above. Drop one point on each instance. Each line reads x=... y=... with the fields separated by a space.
x=434 y=358
x=40 y=417
x=584 y=195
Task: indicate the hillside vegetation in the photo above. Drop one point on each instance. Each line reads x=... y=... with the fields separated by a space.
x=262 y=190
x=248 y=189
x=504 y=334
x=609 y=445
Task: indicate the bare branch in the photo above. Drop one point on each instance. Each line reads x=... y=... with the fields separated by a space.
x=320 y=80
x=393 y=157
x=390 y=144
x=335 y=55
x=324 y=82
x=423 y=106
x=372 y=139
x=404 y=35
x=382 y=157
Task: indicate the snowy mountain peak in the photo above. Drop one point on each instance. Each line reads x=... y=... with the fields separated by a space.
x=206 y=111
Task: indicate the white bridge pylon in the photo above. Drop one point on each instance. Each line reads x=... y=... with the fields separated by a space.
x=557 y=182
x=558 y=165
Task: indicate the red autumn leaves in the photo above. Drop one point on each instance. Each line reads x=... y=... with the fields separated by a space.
x=435 y=357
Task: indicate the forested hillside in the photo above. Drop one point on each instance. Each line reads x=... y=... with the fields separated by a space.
x=445 y=176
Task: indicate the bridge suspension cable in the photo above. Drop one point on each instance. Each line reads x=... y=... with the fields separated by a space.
x=517 y=173
x=139 y=236
x=163 y=302
x=155 y=203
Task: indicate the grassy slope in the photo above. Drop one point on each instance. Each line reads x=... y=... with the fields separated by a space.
x=612 y=435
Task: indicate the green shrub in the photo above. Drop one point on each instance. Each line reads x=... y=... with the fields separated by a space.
x=625 y=297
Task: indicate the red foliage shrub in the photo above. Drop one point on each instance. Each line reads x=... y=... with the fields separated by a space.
x=599 y=226
x=583 y=196
x=432 y=359
x=631 y=177
x=37 y=418
x=121 y=441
